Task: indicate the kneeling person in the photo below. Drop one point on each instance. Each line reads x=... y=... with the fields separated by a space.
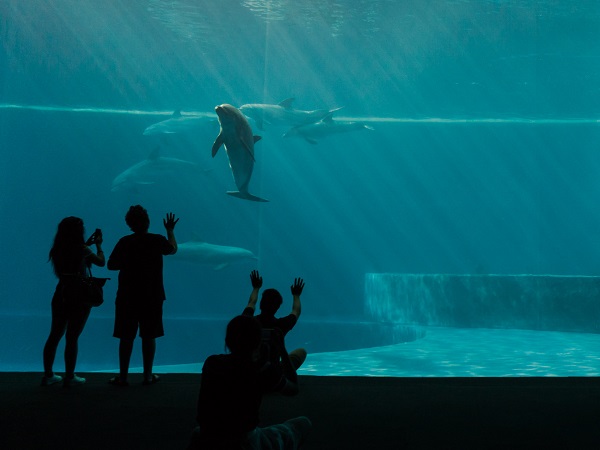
x=231 y=392
x=269 y=305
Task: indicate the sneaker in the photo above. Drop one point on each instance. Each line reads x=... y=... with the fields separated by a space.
x=75 y=381
x=48 y=381
x=116 y=381
x=152 y=380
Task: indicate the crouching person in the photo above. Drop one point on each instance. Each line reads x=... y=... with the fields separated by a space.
x=231 y=392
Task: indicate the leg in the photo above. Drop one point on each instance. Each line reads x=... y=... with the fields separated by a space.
x=148 y=351
x=297 y=357
x=125 y=349
x=284 y=436
x=126 y=327
x=57 y=331
x=151 y=327
x=75 y=325
x=302 y=427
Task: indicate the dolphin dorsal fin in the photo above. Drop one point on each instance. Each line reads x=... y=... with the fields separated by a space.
x=154 y=154
x=257 y=138
x=287 y=103
x=328 y=118
x=176 y=113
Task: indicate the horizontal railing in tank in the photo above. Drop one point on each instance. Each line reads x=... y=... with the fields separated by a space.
x=368 y=119
x=522 y=301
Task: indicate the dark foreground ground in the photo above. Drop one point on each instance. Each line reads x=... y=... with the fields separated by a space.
x=347 y=413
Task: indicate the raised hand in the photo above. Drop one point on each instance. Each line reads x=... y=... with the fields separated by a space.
x=91 y=240
x=297 y=287
x=256 y=279
x=98 y=240
x=169 y=222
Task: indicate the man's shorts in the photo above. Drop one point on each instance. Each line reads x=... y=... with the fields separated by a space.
x=145 y=316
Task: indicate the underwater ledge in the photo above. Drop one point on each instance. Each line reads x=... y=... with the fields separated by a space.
x=521 y=301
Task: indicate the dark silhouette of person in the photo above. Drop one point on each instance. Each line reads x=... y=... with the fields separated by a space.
x=231 y=392
x=139 y=259
x=71 y=257
x=270 y=302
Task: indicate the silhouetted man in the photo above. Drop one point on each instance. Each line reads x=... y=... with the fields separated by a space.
x=139 y=259
x=269 y=305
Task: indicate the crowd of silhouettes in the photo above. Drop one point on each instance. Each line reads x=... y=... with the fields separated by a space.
x=232 y=384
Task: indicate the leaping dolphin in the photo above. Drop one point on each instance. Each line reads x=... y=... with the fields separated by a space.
x=178 y=124
x=325 y=127
x=283 y=114
x=237 y=137
x=217 y=256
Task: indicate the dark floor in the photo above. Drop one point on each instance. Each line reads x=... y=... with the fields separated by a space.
x=347 y=413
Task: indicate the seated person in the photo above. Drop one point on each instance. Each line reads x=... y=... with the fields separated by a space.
x=231 y=392
x=269 y=305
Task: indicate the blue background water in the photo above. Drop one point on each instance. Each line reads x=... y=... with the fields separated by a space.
x=459 y=196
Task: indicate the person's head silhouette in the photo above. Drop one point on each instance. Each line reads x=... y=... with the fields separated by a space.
x=243 y=335
x=270 y=302
x=137 y=219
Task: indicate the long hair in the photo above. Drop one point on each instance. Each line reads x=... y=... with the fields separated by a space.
x=66 y=254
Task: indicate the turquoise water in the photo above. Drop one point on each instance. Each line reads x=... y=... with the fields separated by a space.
x=483 y=156
x=454 y=352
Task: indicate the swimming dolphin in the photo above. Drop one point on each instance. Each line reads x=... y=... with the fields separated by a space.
x=237 y=137
x=217 y=256
x=178 y=124
x=149 y=171
x=283 y=114
x=324 y=127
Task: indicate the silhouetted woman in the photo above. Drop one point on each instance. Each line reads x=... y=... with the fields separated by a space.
x=71 y=256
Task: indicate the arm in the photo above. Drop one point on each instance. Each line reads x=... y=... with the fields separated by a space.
x=169 y=222
x=112 y=265
x=297 y=288
x=98 y=257
x=115 y=260
x=257 y=282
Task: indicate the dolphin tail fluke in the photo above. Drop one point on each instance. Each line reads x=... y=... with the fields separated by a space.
x=246 y=196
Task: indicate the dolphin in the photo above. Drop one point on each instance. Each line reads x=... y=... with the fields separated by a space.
x=283 y=114
x=217 y=256
x=324 y=127
x=237 y=137
x=178 y=124
x=149 y=171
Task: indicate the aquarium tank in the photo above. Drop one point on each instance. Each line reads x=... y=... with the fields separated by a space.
x=429 y=168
